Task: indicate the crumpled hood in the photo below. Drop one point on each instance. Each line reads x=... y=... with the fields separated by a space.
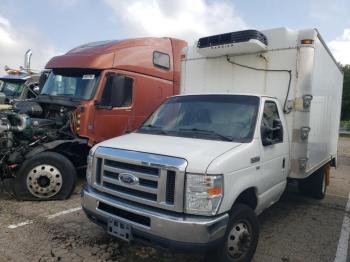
x=199 y=153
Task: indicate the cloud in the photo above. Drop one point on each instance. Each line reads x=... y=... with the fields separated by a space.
x=14 y=41
x=5 y=36
x=182 y=18
x=341 y=47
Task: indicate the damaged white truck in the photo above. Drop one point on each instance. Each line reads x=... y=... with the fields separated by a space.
x=257 y=109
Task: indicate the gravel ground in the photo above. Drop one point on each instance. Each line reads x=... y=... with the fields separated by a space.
x=294 y=229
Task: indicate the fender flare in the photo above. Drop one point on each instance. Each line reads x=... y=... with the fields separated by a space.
x=246 y=188
x=53 y=145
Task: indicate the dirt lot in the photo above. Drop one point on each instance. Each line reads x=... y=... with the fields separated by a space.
x=294 y=229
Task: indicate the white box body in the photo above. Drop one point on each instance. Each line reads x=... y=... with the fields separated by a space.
x=313 y=72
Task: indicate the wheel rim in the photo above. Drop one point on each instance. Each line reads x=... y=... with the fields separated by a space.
x=239 y=240
x=44 y=181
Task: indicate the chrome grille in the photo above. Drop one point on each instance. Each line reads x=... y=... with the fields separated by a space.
x=170 y=187
x=157 y=177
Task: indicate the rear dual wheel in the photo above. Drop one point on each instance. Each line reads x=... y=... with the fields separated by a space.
x=315 y=185
x=46 y=176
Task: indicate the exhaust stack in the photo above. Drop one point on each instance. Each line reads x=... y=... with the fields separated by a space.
x=27 y=58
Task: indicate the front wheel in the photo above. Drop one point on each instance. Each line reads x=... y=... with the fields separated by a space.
x=46 y=176
x=242 y=234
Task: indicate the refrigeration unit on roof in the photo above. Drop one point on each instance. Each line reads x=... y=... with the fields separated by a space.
x=240 y=42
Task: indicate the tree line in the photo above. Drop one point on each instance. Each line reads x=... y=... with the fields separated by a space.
x=345 y=110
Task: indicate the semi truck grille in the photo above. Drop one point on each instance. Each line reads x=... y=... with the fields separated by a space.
x=140 y=177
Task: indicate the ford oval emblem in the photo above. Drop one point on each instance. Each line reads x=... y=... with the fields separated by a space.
x=127 y=178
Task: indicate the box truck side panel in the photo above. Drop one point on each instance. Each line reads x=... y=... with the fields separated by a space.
x=325 y=108
x=216 y=75
x=299 y=117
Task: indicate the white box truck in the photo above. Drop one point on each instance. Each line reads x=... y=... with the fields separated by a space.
x=257 y=109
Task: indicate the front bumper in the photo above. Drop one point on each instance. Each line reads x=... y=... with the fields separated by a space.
x=159 y=227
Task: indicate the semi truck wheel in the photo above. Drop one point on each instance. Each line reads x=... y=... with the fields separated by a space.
x=241 y=238
x=315 y=185
x=46 y=176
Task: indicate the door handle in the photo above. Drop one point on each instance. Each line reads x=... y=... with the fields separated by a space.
x=283 y=163
x=255 y=159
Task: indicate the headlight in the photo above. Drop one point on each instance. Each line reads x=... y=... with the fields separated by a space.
x=90 y=160
x=203 y=194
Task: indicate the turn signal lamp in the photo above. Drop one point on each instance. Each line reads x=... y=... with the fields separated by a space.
x=203 y=194
x=307 y=42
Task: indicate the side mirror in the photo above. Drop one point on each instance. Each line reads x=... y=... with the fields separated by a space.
x=118 y=90
x=277 y=131
x=42 y=80
x=113 y=93
x=274 y=135
x=266 y=136
x=277 y=123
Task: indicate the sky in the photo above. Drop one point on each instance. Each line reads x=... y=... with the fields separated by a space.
x=53 y=27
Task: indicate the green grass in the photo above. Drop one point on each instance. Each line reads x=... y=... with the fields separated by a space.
x=345 y=125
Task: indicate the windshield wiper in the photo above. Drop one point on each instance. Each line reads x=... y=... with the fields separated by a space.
x=63 y=96
x=48 y=95
x=158 y=129
x=208 y=132
x=72 y=98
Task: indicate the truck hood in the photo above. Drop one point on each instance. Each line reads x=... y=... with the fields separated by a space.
x=57 y=100
x=199 y=153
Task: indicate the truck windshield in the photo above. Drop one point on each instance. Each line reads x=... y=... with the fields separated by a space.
x=75 y=83
x=214 y=117
x=12 y=89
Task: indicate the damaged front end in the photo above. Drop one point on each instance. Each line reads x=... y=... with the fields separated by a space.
x=31 y=128
x=44 y=141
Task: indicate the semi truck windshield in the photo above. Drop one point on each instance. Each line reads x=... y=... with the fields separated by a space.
x=215 y=117
x=79 y=84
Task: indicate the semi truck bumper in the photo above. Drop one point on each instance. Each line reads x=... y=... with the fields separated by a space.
x=152 y=225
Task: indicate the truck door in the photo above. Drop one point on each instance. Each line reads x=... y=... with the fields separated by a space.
x=113 y=110
x=274 y=151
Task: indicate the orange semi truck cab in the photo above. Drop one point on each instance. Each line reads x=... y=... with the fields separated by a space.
x=94 y=92
x=128 y=80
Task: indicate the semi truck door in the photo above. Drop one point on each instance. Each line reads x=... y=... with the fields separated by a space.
x=274 y=150
x=113 y=111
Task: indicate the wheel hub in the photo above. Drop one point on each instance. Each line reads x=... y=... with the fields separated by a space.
x=44 y=181
x=239 y=240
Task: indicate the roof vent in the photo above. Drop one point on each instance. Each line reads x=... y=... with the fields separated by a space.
x=240 y=42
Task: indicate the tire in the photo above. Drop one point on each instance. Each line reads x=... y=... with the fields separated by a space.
x=242 y=233
x=46 y=176
x=315 y=185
